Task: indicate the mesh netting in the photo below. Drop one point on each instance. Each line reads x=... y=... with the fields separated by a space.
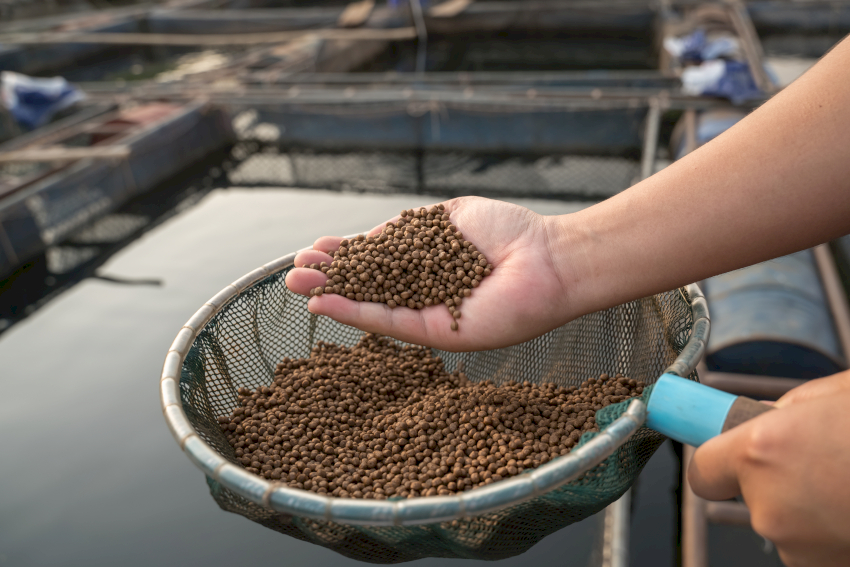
x=448 y=174
x=522 y=50
x=242 y=344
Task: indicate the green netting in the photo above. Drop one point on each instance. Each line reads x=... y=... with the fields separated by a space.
x=242 y=344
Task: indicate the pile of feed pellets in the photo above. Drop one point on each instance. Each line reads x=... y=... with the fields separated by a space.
x=417 y=261
x=381 y=420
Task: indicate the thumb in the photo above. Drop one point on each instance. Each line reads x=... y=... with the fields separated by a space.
x=817 y=388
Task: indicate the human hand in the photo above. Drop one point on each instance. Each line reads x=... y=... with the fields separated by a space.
x=792 y=468
x=522 y=298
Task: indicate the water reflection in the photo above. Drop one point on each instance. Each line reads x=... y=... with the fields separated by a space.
x=82 y=254
x=259 y=162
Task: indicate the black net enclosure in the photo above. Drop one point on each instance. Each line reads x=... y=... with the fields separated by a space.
x=236 y=340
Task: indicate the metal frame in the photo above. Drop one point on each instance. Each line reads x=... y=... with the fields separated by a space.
x=422 y=510
x=615 y=531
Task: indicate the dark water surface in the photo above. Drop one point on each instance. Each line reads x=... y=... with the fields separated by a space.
x=89 y=474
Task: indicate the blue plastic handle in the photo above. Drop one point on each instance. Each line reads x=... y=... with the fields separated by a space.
x=687 y=411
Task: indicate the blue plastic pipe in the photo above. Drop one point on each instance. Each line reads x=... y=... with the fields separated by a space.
x=692 y=413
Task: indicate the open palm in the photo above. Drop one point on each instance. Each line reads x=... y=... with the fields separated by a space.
x=522 y=298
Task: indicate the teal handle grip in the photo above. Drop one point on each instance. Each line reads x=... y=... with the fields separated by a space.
x=691 y=413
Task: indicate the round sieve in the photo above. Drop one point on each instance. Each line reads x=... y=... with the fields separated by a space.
x=237 y=337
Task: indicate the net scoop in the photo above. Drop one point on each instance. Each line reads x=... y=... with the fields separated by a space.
x=237 y=337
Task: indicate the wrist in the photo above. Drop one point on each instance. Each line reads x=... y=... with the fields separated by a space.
x=569 y=246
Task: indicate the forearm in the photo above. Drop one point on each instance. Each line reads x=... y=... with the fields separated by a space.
x=775 y=183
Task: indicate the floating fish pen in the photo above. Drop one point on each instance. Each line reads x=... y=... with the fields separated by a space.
x=494 y=37
x=567 y=101
x=582 y=150
x=54 y=181
x=33 y=58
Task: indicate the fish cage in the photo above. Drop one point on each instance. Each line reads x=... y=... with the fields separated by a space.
x=50 y=269
x=581 y=150
x=442 y=174
x=519 y=50
x=795 y=29
x=501 y=37
x=54 y=181
x=562 y=100
x=554 y=36
x=508 y=37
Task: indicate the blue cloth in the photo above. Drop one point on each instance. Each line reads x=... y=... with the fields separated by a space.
x=736 y=83
x=696 y=47
x=692 y=46
x=712 y=67
x=33 y=101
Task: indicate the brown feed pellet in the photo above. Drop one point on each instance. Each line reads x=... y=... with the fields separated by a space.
x=380 y=420
x=420 y=260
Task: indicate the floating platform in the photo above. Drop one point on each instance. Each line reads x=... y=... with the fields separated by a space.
x=55 y=181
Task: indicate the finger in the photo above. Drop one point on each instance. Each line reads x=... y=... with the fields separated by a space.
x=307 y=257
x=821 y=387
x=429 y=327
x=302 y=280
x=377 y=230
x=327 y=243
x=381 y=226
x=713 y=471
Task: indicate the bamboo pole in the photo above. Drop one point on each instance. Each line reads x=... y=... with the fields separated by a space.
x=694 y=523
x=838 y=304
x=205 y=39
x=64 y=154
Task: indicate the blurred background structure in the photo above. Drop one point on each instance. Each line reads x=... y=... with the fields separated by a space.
x=151 y=152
